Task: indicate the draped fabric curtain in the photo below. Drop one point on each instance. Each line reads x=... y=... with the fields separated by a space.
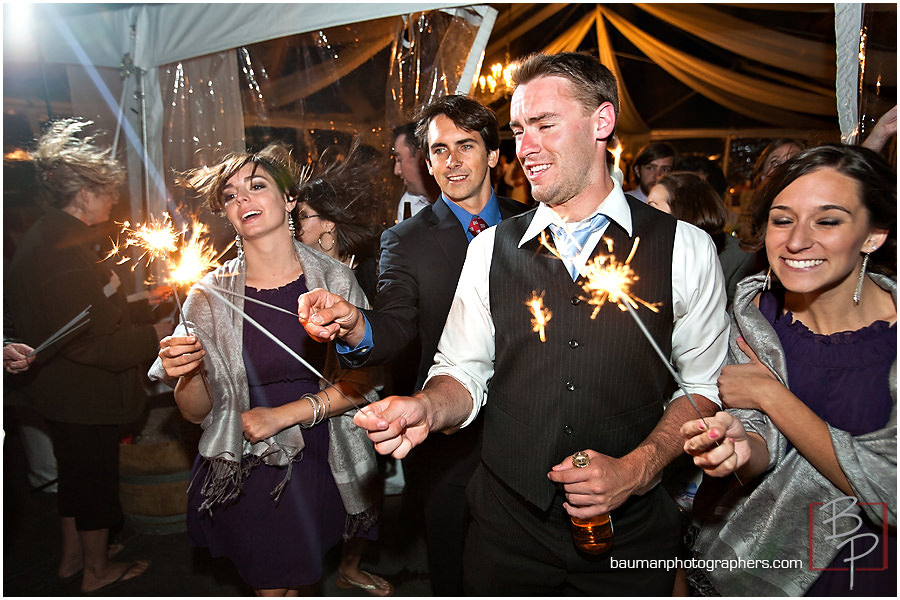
x=761 y=44
x=771 y=97
x=629 y=118
x=202 y=121
x=740 y=93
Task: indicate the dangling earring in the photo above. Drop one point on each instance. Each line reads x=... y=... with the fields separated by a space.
x=768 y=283
x=862 y=275
x=291 y=225
x=319 y=241
x=240 y=244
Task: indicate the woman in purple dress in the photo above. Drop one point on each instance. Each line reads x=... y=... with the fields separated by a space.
x=282 y=473
x=811 y=391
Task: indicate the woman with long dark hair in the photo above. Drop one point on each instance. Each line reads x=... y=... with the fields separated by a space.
x=810 y=389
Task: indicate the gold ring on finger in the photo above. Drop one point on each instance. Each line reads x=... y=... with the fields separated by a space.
x=581 y=459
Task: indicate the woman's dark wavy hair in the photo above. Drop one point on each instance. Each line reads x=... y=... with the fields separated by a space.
x=694 y=200
x=341 y=190
x=209 y=182
x=878 y=192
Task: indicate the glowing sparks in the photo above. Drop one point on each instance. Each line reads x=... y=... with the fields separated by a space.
x=188 y=254
x=155 y=239
x=617 y=154
x=608 y=279
x=197 y=256
x=541 y=314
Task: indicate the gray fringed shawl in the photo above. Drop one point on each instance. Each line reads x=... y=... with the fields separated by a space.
x=767 y=518
x=351 y=456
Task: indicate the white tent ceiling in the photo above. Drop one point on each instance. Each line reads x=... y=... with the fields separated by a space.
x=138 y=38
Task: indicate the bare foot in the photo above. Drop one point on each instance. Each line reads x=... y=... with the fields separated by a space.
x=115 y=573
x=73 y=566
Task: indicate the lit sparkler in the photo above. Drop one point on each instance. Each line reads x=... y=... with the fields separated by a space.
x=156 y=239
x=617 y=154
x=541 y=314
x=608 y=279
x=197 y=256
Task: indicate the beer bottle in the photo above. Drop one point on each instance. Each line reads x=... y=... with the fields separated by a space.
x=593 y=535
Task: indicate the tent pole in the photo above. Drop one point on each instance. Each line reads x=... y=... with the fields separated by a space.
x=139 y=74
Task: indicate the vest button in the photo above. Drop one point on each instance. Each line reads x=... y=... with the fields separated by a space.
x=570 y=386
x=573 y=344
x=575 y=300
x=568 y=429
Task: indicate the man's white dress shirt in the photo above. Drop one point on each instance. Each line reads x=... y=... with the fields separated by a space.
x=699 y=336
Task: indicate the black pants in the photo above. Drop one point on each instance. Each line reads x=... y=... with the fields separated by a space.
x=441 y=506
x=514 y=549
x=87 y=458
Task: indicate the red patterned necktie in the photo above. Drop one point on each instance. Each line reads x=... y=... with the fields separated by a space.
x=477 y=225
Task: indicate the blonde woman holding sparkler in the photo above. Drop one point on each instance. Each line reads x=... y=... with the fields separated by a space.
x=282 y=473
x=811 y=390
x=88 y=383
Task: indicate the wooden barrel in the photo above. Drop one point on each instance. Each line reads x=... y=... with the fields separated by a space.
x=153 y=482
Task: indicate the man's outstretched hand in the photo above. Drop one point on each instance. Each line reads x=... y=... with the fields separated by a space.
x=326 y=316
x=396 y=424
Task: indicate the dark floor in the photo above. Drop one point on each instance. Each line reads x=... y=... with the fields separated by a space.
x=31 y=546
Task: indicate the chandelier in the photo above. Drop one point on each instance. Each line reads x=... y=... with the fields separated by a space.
x=499 y=81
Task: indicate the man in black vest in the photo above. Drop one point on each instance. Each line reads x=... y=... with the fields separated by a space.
x=420 y=262
x=594 y=386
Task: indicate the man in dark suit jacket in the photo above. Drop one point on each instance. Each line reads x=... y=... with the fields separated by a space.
x=421 y=259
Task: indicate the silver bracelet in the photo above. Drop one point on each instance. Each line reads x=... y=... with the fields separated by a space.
x=327 y=410
x=317 y=408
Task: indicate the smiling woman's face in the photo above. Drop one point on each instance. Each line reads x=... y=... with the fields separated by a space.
x=253 y=203
x=817 y=229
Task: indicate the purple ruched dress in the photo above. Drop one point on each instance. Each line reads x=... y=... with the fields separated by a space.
x=843 y=378
x=276 y=544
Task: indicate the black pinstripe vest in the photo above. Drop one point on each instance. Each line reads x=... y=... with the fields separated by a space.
x=595 y=383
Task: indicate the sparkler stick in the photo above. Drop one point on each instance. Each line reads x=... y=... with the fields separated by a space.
x=246 y=298
x=281 y=344
x=188 y=330
x=610 y=279
x=675 y=376
x=65 y=330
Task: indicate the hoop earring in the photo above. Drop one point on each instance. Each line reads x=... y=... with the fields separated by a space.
x=319 y=241
x=862 y=276
x=767 y=285
x=240 y=244
x=291 y=225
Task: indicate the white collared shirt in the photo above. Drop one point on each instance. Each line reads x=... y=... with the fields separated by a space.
x=416 y=203
x=699 y=336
